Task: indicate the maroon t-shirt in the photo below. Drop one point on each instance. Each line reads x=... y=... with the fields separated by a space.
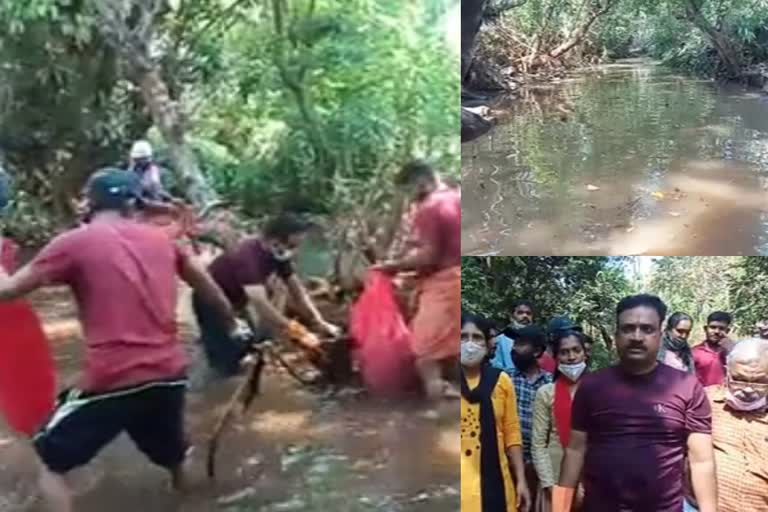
x=637 y=429
x=438 y=223
x=251 y=263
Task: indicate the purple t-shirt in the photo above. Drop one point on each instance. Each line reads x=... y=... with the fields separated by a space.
x=637 y=429
x=250 y=263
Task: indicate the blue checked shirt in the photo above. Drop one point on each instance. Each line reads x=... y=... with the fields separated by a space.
x=526 y=392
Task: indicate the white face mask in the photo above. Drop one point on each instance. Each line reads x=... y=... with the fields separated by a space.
x=572 y=371
x=282 y=254
x=472 y=353
x=742 y=405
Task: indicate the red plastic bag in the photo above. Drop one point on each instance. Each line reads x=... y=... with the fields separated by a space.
x=27 y=372
x=382 y=339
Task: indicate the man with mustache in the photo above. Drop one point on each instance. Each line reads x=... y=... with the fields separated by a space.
x=649 y=414
x=709 y=357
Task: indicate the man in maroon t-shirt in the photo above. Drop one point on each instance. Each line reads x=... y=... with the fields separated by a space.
x=709 y=357
x=633 y=424
x=124 y=277
x=243 y=274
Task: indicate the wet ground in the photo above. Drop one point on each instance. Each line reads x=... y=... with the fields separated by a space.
x=295 y=450
x=626 y=158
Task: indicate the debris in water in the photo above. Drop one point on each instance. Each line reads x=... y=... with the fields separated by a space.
x=658 y=195
x=248 y=492
x=675 y=214
x=593 y=188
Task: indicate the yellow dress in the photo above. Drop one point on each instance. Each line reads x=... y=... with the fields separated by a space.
x=507 y=433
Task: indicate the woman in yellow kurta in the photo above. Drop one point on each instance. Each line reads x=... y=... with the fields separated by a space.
x=492 y=471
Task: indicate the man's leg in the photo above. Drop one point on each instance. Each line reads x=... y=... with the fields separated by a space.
x=55 y=491
x=158 y=430
x=431 y=376
x=77 y=431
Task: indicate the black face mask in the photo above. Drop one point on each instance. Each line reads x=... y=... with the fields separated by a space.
x=523 y=361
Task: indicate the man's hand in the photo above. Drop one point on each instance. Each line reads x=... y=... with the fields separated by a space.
x=523 y=497
x=389 y=267
x=334 y=331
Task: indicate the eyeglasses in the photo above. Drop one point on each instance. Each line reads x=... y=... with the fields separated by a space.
x=740 y=385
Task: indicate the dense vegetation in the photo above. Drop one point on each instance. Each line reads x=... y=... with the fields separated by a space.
x=588 y=289
x=727 y=38
x=302 y=104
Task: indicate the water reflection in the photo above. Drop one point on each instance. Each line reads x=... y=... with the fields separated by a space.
x=628 y=158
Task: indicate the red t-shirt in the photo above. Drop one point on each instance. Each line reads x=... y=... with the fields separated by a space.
x=437 y=223
x=637 y=428
x=710 y=364
x=123 y=276
x=8 y=251
x=251 y=263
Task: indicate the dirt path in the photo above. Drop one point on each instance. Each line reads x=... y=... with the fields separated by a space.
x=296 y=450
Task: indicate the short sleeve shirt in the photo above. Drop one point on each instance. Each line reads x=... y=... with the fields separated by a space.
x=637 y=430
x=124 y=278
x=251 y=263
x=437 y=223
x=710 y=365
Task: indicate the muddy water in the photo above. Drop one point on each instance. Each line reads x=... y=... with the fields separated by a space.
x=627 y=158
x=295 y=450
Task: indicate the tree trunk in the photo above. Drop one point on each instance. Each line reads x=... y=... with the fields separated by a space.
x=726 y=50
x=577 y=35
x=168 y=119
x=471 y=20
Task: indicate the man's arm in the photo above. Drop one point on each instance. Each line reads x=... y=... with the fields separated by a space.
x=701 y=456
x=19 y=284
x=198 y=278
x=573 y=461
x=419 y=258
x=305 y=304
x=260 y=309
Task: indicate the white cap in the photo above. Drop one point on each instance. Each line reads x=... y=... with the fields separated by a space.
x=141 y=149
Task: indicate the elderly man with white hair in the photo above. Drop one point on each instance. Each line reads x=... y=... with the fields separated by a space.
x=740 y=429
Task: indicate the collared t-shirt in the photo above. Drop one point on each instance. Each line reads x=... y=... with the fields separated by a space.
x=710 y=364
x=637 y=430
x=251 y=263
x=123 y=276
x=741 y=455
x=526 y=389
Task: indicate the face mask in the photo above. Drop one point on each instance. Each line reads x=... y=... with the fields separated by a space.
x=281 y=254
x=524 y=361
x=742 y=405
x=472 y=354
x=572 y=371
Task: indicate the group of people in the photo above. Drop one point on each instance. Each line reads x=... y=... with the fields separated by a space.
x=124 y=275
x=670 y=428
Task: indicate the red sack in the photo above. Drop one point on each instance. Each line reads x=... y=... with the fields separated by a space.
x=27 y=372
x=382 y=339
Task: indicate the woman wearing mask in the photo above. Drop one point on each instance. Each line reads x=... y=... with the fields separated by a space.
x=492 y=473
x=674 y=350
x=552 y=412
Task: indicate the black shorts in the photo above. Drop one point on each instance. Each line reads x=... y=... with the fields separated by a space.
x=152 y=414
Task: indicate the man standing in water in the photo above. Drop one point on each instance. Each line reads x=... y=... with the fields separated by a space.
x=437 y=260
x=123 y=275
x=648 y=414
x=709 y=357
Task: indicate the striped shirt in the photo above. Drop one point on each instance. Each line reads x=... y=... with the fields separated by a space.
x=526 y=389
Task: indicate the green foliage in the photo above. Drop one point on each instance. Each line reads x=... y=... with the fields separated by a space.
x=313 y=114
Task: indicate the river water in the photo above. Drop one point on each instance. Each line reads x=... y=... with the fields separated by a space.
x=621 y=159
x=295 y=451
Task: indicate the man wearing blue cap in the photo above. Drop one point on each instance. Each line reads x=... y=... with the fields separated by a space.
x=124 y=277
